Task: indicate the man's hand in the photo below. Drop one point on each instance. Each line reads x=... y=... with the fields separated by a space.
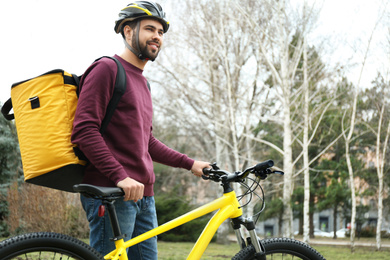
x=198 y=166
x=132 y=188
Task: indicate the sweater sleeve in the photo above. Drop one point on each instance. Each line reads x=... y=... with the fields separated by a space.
x=163 y=154
x=96 y=92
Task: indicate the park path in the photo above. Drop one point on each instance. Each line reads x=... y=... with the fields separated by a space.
x=336 y=242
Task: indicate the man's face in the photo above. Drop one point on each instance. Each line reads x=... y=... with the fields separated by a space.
x=150 y=38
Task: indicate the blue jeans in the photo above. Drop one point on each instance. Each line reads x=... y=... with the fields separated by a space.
x=135 y=218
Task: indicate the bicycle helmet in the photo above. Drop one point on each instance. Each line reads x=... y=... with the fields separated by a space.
x=141 y=9
x=137 y=11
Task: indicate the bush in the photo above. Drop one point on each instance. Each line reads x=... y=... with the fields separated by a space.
x=33 y=208
x=384 y=234
x=367 y=231
x=168 y=207
x=3 y=215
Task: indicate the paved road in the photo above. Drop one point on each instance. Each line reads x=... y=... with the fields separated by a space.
x=337 y=242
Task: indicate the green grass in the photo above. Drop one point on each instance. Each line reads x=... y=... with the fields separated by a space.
x=344 y=253
x=179 y=251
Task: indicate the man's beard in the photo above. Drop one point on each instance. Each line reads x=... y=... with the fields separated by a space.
x=150 y=55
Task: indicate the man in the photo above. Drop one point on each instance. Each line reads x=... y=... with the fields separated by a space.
x=124 y=155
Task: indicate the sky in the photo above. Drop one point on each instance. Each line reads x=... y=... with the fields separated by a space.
x=41 y=35
x=348 y=25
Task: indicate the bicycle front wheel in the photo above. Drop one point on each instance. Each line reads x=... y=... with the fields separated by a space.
x=281 y=248
x=45 y=245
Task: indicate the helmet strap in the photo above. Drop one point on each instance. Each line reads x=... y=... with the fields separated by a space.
x=137 y=52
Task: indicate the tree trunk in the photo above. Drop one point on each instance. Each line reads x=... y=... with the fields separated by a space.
x=287 y=130
x=311 y=234
x=288 y=175
x=353 y=197
x=306 y=202
x=335 y=221
x=380 y=172
x=350 y=170
x=380 y=213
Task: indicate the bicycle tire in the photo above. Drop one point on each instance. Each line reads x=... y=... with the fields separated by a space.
x=46 y=245
x=281 y=248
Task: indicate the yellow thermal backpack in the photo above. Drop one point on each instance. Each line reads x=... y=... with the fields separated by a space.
x=44 y=108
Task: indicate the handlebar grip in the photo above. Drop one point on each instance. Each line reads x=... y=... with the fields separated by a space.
x=206 y=171
x=264 y=165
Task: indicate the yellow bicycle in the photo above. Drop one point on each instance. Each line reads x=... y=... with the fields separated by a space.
x=45 y=245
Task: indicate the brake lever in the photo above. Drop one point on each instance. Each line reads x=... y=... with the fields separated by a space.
x=212 y=177
x=262 y=174
x=214 y=166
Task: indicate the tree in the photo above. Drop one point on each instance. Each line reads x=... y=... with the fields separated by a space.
x=377 y=110
x=315 y=108
x=336 y=192
x=215 y=94
x=10 y=166
x=281 y=42
x=352 y=110
x=230 y=55
x=10 y=155
x=298 y=206
x=274 y=210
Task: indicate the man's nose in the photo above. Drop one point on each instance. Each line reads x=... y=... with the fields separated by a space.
x=157 y=35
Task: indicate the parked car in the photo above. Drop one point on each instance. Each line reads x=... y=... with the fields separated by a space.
x=320 y=233
x=342 y=232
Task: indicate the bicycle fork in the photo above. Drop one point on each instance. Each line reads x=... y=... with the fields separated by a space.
x=249 y=224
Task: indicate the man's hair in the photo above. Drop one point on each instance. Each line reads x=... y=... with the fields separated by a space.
x=132 y=25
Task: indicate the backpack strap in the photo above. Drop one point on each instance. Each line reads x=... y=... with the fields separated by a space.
x=147 y=83
x=6 y=109
x=119 y=90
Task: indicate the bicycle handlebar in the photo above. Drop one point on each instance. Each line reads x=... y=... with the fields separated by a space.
x=261 y=170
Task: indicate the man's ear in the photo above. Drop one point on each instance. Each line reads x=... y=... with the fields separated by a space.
x=128 y=32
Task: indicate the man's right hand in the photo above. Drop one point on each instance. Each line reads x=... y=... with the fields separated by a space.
x=132 y=188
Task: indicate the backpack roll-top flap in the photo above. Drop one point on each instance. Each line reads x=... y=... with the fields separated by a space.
x=44 y=109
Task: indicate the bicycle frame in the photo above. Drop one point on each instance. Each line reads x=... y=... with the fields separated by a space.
x=228 y=206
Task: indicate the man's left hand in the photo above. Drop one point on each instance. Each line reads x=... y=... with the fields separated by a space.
x=198 y=166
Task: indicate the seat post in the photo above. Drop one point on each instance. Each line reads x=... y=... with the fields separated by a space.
x=113 y=220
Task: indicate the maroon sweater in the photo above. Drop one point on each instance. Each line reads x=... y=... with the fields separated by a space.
x=128 y=147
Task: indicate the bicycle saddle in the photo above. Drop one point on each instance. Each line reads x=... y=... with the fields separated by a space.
x=98 y=192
